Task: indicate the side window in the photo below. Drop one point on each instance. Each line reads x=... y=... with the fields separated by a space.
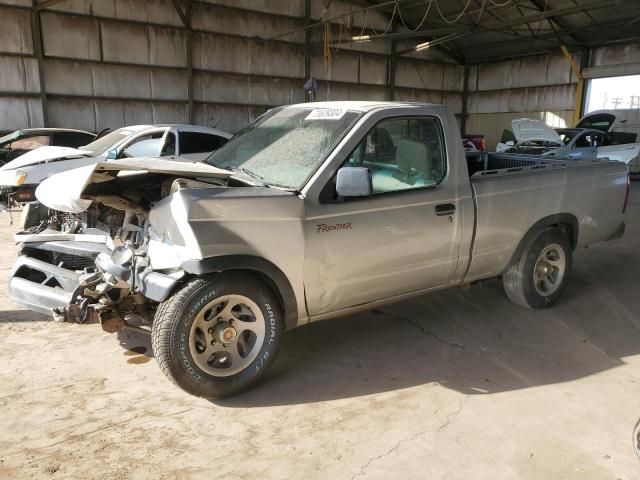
x=149 y=145
x=197 y=142
x=583 y=141
x=402 y=154
x=600 y=121
x=30 y=143
x=71 y=139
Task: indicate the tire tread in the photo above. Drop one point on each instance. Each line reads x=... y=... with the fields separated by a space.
x=167 y=326
x=163 y=325
x=513 y=280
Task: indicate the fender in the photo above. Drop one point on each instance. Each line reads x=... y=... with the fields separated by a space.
x=567 y=221
x=276 y=279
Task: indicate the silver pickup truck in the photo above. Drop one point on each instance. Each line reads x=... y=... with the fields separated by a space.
x=314 y=211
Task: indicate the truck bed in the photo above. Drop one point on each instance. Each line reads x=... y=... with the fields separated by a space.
x=490 y=163
x=510 y=191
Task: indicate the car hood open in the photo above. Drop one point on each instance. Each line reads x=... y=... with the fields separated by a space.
x=528 y=130
x=64 y=191
x=43 y=155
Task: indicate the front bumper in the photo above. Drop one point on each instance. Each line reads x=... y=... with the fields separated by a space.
x=48 y=277
x=31 y=284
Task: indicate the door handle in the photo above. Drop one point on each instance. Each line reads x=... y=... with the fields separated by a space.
x=445 y=209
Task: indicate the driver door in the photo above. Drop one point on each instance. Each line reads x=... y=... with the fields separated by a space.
x=403 y=238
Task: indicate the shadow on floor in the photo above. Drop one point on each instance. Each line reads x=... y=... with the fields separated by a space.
x=135 y=342
x=19 y=316
x=473 y=341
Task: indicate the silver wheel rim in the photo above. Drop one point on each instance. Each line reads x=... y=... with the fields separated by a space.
x=549 y=270
x=226 y=335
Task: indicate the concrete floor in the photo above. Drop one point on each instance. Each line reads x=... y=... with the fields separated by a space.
x=458 y=385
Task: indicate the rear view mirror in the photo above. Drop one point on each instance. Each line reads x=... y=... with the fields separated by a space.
x=112 y=154
x=353 y=182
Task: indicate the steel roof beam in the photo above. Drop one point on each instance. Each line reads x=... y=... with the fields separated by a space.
x=524 y=21
x=594 y=4
x=557 y=20
x=545 y=37
x=48 y=3
x=556 y=12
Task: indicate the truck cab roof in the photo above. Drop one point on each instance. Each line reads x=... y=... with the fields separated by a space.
x=362 y=106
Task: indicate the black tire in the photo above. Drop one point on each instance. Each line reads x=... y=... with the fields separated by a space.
x=519 y=283
x=173 y=322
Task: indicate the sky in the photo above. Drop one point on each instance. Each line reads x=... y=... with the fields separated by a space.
x=605 y=93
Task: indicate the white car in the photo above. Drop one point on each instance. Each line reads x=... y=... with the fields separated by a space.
x=20 y=177
x=623 y=126
x=533 y=137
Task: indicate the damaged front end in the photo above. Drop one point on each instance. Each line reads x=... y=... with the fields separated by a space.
x=100 y=271
x=85 y=282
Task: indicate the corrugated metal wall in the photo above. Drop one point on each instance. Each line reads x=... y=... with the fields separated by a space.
x=538 y=87
x=614 y=60
x=535 y=87
x=107 y=63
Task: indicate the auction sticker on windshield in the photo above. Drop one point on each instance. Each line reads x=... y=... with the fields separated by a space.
x=326 y=114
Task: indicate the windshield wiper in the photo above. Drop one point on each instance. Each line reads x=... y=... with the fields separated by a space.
x=253 y=175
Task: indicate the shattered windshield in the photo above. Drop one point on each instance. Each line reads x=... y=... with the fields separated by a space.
x=286 y=145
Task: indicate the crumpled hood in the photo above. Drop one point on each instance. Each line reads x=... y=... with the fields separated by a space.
x=530 y=130
x=44 y=154
x=63 y=191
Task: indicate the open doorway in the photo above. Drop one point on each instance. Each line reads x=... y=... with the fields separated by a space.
x=613 y=93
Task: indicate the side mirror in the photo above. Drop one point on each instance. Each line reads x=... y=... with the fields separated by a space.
x=511 y=143
x=112 y=154
x=354 y=182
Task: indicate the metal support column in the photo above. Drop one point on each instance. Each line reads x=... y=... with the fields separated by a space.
x=307 y=40
x=585 y=62
x=391 y=70
x=186 y=17
x=36 y=35
x=577 y=70
x=188 y=14
x=465 y=100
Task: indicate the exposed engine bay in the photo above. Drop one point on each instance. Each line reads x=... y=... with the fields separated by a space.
x=94 y=264
x=117 y=205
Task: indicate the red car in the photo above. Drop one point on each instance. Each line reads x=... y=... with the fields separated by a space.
x=478 y=141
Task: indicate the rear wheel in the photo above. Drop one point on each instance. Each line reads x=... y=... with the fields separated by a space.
x=218 y=335
x=540 y=275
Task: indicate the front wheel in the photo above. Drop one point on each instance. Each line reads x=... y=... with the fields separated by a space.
x=217 y=335
x=540 y=275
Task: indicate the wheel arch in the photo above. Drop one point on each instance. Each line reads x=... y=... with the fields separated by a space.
x=565 y=221
x=269 y=273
